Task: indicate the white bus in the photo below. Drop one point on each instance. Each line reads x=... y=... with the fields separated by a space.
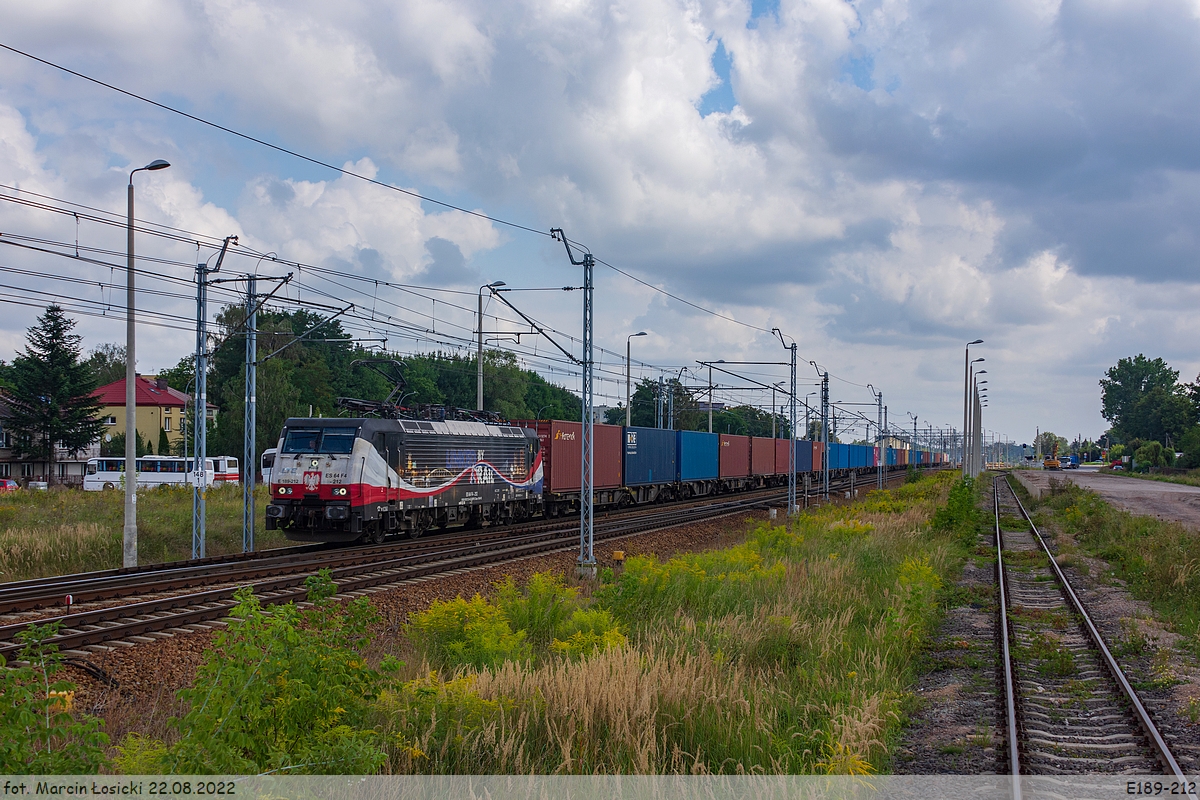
x=226 y=470
x=268 y=464
x=109 y=473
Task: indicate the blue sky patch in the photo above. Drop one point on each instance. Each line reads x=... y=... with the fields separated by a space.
x=859 y=71
x=760 y=9
x=720 y=97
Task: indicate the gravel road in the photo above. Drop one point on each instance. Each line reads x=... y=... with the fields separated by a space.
x=1167 y=501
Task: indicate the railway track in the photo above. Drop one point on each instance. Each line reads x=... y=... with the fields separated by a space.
x=148 y=619
x=93 y=587
x=1068 y=707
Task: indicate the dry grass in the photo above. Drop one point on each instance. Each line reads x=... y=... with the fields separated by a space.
x=788 y=654
x=69 y=530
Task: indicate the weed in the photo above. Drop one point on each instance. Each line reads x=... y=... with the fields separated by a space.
x=39 y=734
x=1133 y=641
x=1192 y=710
x=1163 y=672
x=1056 y=660
x=471 y=632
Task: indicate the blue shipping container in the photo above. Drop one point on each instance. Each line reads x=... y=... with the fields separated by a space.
x=804 y=459
x=649 y=456
x=698 y=456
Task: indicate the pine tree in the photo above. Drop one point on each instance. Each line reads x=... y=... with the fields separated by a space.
x=51 y=398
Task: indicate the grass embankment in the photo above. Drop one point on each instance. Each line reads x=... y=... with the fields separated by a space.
x=789 y=653
x=63 y=531
x=1189 y=478
x=1158 y=560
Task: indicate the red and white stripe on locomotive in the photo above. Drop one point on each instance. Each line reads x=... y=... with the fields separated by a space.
x=348 y=479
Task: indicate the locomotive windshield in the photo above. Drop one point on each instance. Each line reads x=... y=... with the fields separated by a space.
x=319 y=440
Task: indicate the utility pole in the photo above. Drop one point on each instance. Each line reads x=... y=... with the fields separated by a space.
x=199 y=473
x=825 y=434
x=479 y=348
x=587 y=556
x=710 y=398
x=793 y=507
x=250 y=423
x=658 y=416
x=879 y=440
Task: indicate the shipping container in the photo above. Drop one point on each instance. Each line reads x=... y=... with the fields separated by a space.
x=562 y=448
x=818 y=456
x=781 y=456
x=762 y=455
x=735 y=456
x=804 y=456
x=838 y=456
x=874 y=456
x=698 y=456
x=649 y=456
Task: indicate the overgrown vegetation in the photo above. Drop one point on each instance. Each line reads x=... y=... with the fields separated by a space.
x=39 y=733
x=65 y=531
x=788 y=653
x=289 y=691
x=1160 y=561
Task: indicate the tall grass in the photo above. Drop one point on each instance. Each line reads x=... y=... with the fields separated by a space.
x=1159 y=561
x=789 y=653
x=69 y=530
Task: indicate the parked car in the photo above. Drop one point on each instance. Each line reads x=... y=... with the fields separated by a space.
x=8 y=485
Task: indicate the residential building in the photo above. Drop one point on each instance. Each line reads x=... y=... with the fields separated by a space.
x=67 y=469
x=159 y=408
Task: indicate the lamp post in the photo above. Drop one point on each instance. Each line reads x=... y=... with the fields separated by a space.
x=966 y=397
x=129 y=539
x=628 y=369
x=479 y=349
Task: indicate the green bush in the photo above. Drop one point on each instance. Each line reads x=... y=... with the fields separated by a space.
x=286 y=691
x=961 y=513
x=586 y=633
x=540 y=608
x=471 y=632
x=38 y=733
x=1152 y=454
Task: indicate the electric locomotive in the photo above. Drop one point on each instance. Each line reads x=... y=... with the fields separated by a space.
x=344 y=480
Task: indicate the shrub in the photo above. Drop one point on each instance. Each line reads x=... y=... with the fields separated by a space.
x=462 y=632
x=586 y=633
x=960 y=514
x=38 y=733
x=540 y=608
x=286 y=691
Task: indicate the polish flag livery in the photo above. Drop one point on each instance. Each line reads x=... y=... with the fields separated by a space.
x=361 y=479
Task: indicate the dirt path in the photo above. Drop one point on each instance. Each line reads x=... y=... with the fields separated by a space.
x=1167 y=501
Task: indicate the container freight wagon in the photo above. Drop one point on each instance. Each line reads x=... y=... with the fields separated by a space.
x=762 y=457
x=734 y=461
x=698 y=460
x=839 y=457
x=651 y=464
x=562 y=451
x=803 y=456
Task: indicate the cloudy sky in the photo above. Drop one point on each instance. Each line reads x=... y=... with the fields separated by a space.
x=883 y=181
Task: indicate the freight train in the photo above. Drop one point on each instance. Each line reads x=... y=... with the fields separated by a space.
x=344 y=480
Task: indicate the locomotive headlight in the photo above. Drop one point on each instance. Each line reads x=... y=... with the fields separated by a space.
x=340 y=491
x=285 y=490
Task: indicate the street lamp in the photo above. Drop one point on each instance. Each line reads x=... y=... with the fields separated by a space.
x=628 y=362
x=129 y=543
x=966 y=397
x=479 y=350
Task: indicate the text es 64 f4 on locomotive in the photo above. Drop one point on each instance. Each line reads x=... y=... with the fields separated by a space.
x=341 y=480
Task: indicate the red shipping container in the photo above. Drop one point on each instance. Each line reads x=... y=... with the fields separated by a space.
x=818 y=451
x=562 y=448
x=735 y=456
x=781 y=456
x=762 y=456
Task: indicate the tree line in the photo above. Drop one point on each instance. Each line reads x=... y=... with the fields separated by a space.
x=305 y=364
x=1152 y=414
